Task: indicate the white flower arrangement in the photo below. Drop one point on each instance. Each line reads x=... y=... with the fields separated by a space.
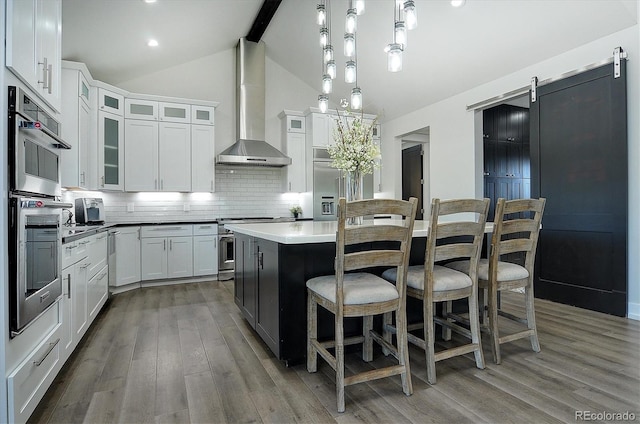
x=354 y=149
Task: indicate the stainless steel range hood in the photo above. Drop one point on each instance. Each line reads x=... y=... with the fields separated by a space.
x=251 y=147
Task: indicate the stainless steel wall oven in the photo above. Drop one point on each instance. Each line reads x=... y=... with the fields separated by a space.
x=35 y=214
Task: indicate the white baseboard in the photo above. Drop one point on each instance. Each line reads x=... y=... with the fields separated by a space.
x=633 y=311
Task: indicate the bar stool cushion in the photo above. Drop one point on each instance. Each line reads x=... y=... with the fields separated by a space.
x=359 y=288
x=444 y=278
x=506 y=271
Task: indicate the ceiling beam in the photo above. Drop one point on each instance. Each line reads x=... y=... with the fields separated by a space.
x=261 y=22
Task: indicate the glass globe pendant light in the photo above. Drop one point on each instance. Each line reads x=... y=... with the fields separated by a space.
x=321 y=14
x=327 y=84
x=350 y=72
x=350 y=21
x=356 y=98
x=324 y=37
x=331 y=69
x=323 y=103
x=401 y=33
x=328 y=53
x=410 y=15
x=394 y=57
x=359 y=6
x=349 y=44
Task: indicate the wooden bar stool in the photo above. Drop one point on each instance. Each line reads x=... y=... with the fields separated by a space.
x=362 y=294
x=516 y=230
x=433 y=282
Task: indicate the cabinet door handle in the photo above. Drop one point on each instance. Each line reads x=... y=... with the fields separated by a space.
x=102 y=178
x=170 y=244
x=49 y=349
x=68 y=286
x=49 y=77
x=260 y=260
x=45 y=69
x=164 y=244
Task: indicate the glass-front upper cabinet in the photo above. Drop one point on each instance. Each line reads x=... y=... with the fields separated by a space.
x=175 y=112
x=110 y=102
x=84 y=90
x=141 y=109
x=110 y=151
x=202 y=115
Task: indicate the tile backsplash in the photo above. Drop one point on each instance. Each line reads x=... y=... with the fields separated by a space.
x=240 y=192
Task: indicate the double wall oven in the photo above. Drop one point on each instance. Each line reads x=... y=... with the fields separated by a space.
x=35 y=212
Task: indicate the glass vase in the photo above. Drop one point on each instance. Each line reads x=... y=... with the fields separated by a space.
x=354 y=190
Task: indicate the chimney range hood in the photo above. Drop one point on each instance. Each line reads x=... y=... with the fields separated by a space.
x=251 y=148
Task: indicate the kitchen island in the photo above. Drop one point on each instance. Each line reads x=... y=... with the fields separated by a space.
x=273 y=261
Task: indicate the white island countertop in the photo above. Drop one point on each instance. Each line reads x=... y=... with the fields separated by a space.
x=304 y=232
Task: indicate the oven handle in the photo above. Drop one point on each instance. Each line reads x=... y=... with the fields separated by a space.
x=53 y=204
x=58 y=141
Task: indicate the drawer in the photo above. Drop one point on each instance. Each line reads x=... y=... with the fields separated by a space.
x=27 y=384
x=166 y=231
x=205 y=229
x=97 y=292
x=72 y=253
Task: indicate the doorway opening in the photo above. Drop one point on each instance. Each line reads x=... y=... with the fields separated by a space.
x=506 y=151
x=415 y=168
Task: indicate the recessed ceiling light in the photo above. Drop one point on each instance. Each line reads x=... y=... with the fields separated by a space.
x=150 y=1
x=152 y=43
x=454 y=3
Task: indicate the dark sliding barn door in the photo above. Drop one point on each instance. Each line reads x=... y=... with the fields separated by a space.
x=579 y=163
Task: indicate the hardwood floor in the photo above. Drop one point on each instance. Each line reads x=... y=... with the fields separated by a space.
x=183 y=353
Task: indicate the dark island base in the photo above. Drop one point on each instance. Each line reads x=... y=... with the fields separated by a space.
x=270 y=290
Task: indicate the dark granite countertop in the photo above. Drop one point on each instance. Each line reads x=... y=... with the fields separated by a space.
x=76 y=232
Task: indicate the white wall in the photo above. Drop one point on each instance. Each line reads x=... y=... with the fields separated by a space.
x=455 y=141
x=213 y=78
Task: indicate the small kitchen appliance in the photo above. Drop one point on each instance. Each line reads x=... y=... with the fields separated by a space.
x=89 y=210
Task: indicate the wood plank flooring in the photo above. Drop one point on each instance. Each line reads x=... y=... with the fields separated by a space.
x=183 y=353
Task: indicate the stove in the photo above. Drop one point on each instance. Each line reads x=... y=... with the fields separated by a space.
x=226 y=242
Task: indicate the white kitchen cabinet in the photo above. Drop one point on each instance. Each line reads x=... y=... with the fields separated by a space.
x=141 y=109
x=205 y=249
x=153 y=253
x=127 y=256
x=175 y=112
x=180 y=257
x=174 y=156
x=157 y=156
x=96 y=253
x=293 y=129
x=202 y=115
x=202 y=158
x=79 y=162
x=141 y=155
x=34 y=46
x=166 y=251
x=97 y=292
x=110 y=151
x=319 y=128
x=29 y=381
x=78 y=284
x=110 y=101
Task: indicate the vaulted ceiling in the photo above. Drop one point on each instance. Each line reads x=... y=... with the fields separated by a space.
x=452 y=50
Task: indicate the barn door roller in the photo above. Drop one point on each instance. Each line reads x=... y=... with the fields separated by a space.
x=618 y=54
